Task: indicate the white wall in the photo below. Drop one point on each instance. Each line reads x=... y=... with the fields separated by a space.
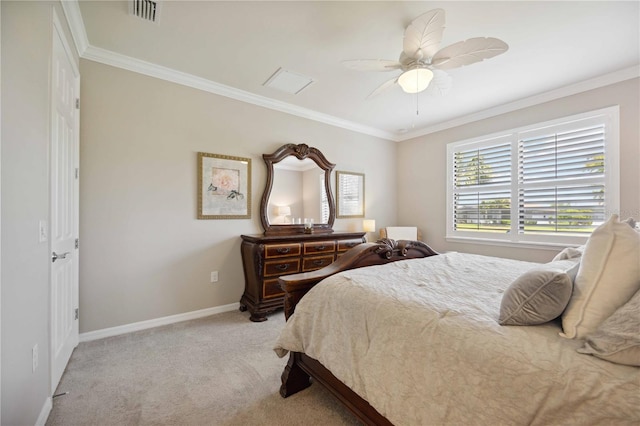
x=311 y=195
x=422 y=164
x=26 y=46
x=144 y=253
x=287 y=191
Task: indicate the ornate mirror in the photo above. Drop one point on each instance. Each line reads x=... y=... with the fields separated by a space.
x=298 y=191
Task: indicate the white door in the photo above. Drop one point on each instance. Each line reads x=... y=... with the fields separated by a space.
x=65 y=90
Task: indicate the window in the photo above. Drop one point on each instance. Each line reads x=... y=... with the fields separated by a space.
x=551 y=183
x=482 y=179
x=349 y=194
x=324 y=201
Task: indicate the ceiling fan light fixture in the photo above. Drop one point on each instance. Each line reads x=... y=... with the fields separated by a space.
x=415 y=80
x=422 y=56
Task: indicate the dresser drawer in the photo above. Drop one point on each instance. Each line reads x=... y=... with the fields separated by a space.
x=281 y=267
x=348 y=244
x=267 y=257
x=271 y=288
x=319 y=247
x=316 y=262
x=281 y=250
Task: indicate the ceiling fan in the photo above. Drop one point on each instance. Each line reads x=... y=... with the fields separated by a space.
x=422 y=62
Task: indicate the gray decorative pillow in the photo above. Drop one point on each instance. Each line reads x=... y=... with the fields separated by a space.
x=537 y=296
x=631 y=222
x=617 y=339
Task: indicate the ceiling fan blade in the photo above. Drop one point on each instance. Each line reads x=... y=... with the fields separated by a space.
x=440 y=84
x=468 y=52
x=383 y=87
x=372 y=65
x=423 y=36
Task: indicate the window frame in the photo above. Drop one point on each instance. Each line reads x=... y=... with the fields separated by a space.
x=608 y=116
x=349 y=194
x=324 y=201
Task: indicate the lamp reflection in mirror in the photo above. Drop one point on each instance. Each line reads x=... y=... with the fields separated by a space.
x=285 y=212
x=369 y=225
x=415 y=80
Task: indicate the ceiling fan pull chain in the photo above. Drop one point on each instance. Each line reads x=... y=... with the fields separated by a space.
x=417 y=82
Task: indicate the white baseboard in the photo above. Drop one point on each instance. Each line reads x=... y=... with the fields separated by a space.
x=44 y=413
x=143 y=325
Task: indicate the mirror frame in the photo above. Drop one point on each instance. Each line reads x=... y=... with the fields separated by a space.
x=300 y=151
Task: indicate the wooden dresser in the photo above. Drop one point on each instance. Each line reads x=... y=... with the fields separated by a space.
x=266 y=257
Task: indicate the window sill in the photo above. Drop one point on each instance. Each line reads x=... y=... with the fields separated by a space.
x=517 y=244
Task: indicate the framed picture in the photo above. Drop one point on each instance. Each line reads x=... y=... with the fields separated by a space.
x=350 y=194
x=224 y=187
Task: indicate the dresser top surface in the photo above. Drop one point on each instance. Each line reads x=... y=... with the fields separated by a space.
x=260 y=238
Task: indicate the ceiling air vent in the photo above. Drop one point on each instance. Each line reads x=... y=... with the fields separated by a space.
x=288 y=81
x=146 y=9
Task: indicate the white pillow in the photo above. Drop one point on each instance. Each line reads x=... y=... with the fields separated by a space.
x=618 y=337
x=609 y=275
x=570 y=253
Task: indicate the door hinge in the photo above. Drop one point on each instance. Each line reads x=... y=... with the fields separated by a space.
x=77 y=172
x=77 y=103
x=77 y=243
x=77 y=313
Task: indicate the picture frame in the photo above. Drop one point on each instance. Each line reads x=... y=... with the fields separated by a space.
x=224 y=187
x=349 y=194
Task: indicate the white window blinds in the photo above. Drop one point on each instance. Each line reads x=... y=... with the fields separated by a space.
x=482 y=194
x=562 y=180
x=324 y=201
x=546 y=183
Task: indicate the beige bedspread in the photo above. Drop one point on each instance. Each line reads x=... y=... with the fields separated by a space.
x=419 y=339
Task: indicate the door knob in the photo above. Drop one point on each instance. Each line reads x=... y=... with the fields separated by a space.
x=55 y=256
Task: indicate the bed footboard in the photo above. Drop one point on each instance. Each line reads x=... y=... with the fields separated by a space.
x=301 y=368
x=383 y=251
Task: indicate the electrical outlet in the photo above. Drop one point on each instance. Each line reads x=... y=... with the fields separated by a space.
x=34 y=358
x=214 y=277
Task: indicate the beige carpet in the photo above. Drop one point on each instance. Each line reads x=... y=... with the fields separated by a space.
x=219 y=370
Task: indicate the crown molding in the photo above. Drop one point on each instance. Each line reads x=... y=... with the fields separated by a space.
x=108 y=57
x=594 y=83
x=71 y=10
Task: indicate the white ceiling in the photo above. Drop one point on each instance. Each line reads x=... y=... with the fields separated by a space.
x=234 y=47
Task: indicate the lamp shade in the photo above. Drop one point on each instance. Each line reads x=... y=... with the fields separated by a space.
x=284 y=210
x=369 y=225
x=415 y=80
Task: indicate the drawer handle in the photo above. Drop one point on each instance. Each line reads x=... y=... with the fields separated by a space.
x=283 y=250
x=282 y=267
x=321 y=247
x=318 y=262
x=351 y=244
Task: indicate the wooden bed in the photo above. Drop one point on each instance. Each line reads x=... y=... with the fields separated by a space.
x=470 y=369
x=301 y=368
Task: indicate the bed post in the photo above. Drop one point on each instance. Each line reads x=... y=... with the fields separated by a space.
x=294 y=378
